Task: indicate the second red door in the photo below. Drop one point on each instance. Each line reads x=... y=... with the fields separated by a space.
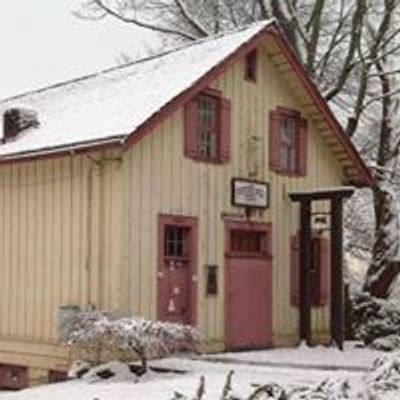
x=248 y=317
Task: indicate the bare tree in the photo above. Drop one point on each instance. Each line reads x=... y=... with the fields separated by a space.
x=346 y=47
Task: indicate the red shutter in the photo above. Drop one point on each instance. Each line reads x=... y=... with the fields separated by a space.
x=225 y=132
x=323 y=273
x=294 y=270
x=274 y=140
x=302 y=147
x=191 y=116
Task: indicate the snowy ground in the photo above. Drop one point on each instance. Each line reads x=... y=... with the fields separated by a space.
x=353 y=358
x=283 y=366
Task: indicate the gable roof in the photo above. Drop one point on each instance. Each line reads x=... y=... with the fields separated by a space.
x=119 y=105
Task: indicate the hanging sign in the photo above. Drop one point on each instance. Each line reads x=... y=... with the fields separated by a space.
x=248 y=193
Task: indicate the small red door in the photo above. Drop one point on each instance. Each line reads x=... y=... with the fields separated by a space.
x=248 y=286
x=176 y=271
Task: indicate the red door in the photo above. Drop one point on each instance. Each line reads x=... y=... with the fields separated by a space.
x=176 y=271
x=248 y=320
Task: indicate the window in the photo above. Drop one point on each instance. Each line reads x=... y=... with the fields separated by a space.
x=176 y=241
x=288 y=148
x=250 y=243
x=251 y=66
x=207 y=127
x=288 y=142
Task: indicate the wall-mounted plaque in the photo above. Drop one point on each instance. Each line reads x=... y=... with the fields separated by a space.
x=248 y=193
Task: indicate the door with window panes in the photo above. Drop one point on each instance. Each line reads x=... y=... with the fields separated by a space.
x=176 y=277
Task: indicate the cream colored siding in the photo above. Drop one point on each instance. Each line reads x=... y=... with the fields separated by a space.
x=169 y=183
x=83 y=229
x=46 y=255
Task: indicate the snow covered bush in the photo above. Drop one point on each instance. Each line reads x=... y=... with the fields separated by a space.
x=377 y=322
x=97 y=335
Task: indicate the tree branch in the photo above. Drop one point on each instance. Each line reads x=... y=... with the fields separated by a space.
x=142 y=24
x=355 y=40
x=314 y=25
x=263 y=9
x=191 y=21
x=286 y=24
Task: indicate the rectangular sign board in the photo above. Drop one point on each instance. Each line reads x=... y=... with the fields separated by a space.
x=248 y=193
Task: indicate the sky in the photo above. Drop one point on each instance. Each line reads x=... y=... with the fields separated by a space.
x=42 y=43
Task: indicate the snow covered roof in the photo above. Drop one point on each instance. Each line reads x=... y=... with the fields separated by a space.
x=109 y=106
x=117 y=106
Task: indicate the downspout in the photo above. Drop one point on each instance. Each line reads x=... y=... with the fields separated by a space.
x=95 y=168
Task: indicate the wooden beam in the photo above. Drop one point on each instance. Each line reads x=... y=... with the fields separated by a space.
x=305 y=272
x=323 y=194
x=337 y=295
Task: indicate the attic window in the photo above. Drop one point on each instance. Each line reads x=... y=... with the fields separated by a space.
x=251 y=66
x=17 y=120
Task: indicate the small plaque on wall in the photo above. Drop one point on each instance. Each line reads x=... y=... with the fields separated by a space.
x=249 y=193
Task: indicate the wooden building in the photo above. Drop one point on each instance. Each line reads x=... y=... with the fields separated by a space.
x=173 y=188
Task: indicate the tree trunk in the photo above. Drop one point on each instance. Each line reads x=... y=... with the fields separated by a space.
x=384 y=267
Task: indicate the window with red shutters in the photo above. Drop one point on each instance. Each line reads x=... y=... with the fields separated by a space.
x=207 y=127
x=319 y=271
x=250 y=72
x=288 y=142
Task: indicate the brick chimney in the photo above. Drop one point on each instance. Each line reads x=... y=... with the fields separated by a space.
x=17 y=120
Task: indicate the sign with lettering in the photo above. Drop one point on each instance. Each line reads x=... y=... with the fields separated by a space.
x=248 y=193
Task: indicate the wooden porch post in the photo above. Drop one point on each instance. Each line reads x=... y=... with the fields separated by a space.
x=336 y=197
x=305 y=269
x=337 y=295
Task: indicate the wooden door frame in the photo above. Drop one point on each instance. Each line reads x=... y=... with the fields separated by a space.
x=192 y=224
x=250 y=227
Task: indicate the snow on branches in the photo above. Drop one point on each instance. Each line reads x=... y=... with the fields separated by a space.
x=382 y=382
x=97 y=334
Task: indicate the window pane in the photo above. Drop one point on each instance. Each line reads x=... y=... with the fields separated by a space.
x=208 y=127
x=288 y=152
x=250 y=243
x=176 y=238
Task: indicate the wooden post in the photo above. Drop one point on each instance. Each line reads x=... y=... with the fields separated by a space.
x=336 y=197
x=305 y=269
x=337 y=302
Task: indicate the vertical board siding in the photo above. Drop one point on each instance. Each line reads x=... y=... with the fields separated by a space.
x=160 y=179
x=83 y=230
x=44 y=239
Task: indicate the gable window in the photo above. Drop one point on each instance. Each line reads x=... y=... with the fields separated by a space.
x=207 y=127
x=251 y=66
x=288 y=142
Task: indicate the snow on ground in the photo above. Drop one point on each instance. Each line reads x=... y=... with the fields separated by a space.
x=161 y=386
x=353 y=358
x=165 y=385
